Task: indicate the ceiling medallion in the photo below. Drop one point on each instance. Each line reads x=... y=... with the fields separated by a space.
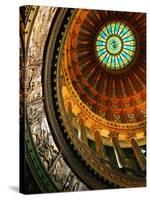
x=115 y=46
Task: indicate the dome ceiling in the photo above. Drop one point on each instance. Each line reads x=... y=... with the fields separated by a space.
x=106 y=61
x=88 y=111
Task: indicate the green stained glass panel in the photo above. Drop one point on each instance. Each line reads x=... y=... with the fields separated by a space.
x=115 y=46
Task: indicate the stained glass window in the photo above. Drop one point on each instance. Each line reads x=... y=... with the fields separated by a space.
x=116 y=46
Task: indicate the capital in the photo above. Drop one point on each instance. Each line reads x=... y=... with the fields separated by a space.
x=113 y=134
x=82 y=117
x=130 y=135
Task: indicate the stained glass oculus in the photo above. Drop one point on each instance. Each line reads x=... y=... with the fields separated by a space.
x=115 y=46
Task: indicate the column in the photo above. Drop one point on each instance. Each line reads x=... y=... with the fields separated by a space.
x=137 y=151
x=82 y=132
x=122 y=161
x=100 y=149
x=69 y=110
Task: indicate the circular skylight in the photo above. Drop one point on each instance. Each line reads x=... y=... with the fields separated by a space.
x=115 y=46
